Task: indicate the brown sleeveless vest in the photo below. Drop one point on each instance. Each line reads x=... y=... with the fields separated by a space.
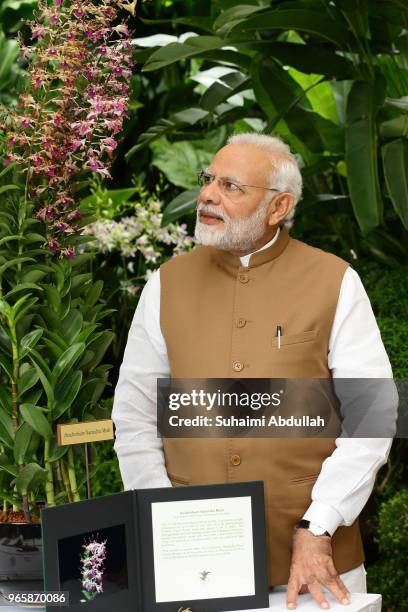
x=219 y=320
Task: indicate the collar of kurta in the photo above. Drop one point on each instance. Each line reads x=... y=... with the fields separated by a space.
x=232 y=261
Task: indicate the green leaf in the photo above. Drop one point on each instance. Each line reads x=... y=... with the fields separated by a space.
x=94 y=293
x=311 y=22
x=175 y=52
x=66 y=392
x=29 y=341
x=7 y=366
x=233 y=16
x=308 y=58
x=394 y=128
x=395 y=161
x=57 y=452
x=44 y=377
x=36 y=419
x=361 y=153
x=223 y=88
x=67 y=361
x=10 y=469
x=181 y=205
x=14 y=262
x=5 y=188
x=22 y=442
x=23 y=287
x=6 y=428
x=30 y=477
x=27 y=380
x=100 y=345
x=53 y=298
x=118 y=196
x=71 y=325
x=180 y=161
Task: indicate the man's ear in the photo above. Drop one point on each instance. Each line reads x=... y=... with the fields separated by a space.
x=281 y=206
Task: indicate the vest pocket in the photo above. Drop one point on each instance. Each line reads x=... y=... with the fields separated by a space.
x=307 y=336
x=178 y=482
x=302 y=479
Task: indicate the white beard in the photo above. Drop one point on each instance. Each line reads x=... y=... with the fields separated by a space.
x=232 y=234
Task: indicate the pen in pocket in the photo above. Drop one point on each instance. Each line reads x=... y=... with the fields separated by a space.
x=279 y=334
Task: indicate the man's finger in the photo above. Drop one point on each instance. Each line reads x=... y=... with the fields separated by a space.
x=336 y=586
x=316 y=593
x=292 y=593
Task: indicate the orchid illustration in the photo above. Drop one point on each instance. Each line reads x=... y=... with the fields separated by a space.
x=92 y=561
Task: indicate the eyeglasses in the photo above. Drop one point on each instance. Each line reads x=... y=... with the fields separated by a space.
x=228 y=187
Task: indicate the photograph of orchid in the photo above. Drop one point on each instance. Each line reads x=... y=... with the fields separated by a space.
x=93 y=564
x=92 y=569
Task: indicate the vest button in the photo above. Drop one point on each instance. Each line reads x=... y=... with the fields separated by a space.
x=237 y=366
x=243 y=278
x=241 y=322
x=235 y=460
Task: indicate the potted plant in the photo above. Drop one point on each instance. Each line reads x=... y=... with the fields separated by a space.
x=52 y=341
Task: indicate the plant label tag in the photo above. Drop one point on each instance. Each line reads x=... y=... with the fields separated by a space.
x=80 y=433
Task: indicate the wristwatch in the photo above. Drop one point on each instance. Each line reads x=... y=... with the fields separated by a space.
x=313 y=528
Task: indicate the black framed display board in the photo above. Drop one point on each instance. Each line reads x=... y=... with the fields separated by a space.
x=198 y=547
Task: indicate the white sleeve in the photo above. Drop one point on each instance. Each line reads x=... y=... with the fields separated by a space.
x=355 y=351
x=139 y=450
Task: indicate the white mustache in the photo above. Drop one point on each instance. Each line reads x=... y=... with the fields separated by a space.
x=206 y=208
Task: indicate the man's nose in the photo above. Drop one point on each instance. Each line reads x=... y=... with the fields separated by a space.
x=210 y=193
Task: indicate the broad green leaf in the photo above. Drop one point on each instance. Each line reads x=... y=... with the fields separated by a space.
x=394 y=128
x=224 y=88
x=180 y=161
x=67 y=361
x=29 y=341
x=395 y=161
x=22 y=442
x=36 y=419
x=86 y=332
x=175 y=51
x=55 y=350
x=361 y=154
x=71 y=325
x=30 y=477
x=307 y=58
x=233 y=16
x=94 y=293
x=182 y=204
x=100 y=345
x=312 y=22
x=53 y=298
x=27 y=380
x=65 y=393
x=57 y=338
x=57 y=452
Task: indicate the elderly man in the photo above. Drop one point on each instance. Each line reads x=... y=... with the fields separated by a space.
x=212 y=313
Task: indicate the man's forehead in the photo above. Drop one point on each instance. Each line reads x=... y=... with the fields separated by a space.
x=244 y=162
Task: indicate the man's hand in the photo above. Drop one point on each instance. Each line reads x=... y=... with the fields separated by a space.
x=312 y=566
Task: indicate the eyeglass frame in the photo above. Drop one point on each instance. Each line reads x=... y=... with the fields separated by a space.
x=236 y=183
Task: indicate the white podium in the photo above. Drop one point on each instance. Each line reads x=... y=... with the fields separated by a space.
x=360 y=602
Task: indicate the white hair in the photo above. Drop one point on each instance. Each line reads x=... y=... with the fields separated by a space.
x=285 y=174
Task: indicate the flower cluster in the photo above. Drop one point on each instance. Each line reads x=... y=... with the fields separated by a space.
x=92 y=562
x=67 y=121
x=140 y=233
